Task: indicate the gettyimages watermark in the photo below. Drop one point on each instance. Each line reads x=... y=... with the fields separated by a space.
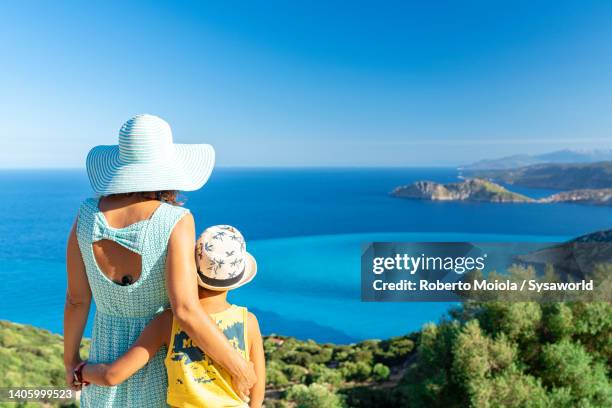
x=461 y=271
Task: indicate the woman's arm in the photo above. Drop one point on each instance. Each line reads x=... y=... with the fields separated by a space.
x=76 y=309
x=148 y=343
x=182 y=285
x=257 y=356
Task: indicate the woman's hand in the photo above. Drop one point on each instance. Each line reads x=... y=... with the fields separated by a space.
x=70 y=376
x=244 y=382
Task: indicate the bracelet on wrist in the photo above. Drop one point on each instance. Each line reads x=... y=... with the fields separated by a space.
x=78 y=374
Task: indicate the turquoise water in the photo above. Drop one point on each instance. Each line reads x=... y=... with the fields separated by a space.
x=305 y=228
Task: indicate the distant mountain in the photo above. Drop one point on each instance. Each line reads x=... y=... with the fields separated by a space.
x=468 y=190
x=573 y=176
x=522 y=160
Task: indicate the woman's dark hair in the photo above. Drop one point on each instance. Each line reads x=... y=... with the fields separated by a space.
x=167 y=196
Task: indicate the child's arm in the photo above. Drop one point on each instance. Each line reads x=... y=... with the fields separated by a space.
x=148 y=343
x=257 y=357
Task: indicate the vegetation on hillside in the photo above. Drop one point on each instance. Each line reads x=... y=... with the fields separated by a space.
x=524 y=160
x=474 y=189
x=483 y=354
x=31 y=357
x=559 y=176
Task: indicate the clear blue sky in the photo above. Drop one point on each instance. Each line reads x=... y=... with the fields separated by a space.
x=274 y=83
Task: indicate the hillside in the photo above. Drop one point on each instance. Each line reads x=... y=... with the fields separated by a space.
x=498 y=354
x=554 y=176
x=483 y=190
x=33 y=357
x=577 y=259
x=602 y=196
x=30 y=357
x=522 y=160
x=468 y=190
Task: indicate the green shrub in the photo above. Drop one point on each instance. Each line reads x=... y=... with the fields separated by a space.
x=568 y=365
x=272 y=403
x=394 y=351
x=342 y=353
x=558 y=321
x=511 y=388
x=319 y=373
x=275 y=376
x=380 y=372
x=362 y=355
x=314 y=396
x=322 y=355
x=301 y=358
x=359 y=371
x=295 y=373
x=367 y=397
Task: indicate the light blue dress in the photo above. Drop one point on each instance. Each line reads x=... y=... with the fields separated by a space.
x=122 y=312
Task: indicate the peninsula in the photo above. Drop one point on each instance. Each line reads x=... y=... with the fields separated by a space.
x=477 y=189
x=474 y=189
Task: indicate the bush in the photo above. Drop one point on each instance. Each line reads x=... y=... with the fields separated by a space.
x=271 y=403
x=341 y=353
x=395 y=350
x=275 y=376
x=359 y=371
x=593 y=327
x=380 y=372
x=568 y=365
x=301 y=358
x=295 y=373
x=511 y=388
x=322 y=355
x=367 y=397
x=360 y=355
x=314 y=396
x=558 y=321
x=318 y=373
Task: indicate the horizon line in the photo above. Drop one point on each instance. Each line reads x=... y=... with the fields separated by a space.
x=265 y=167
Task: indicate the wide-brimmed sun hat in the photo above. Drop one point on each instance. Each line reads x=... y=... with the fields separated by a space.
x=222 y=260
x=146 y=159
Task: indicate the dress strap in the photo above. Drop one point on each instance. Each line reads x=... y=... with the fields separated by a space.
x=162 y=223
x=85 y=219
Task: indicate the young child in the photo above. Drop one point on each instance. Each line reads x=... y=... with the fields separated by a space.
x=194 y=380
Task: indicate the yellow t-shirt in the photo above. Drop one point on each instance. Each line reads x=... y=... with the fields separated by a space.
x=194 y=380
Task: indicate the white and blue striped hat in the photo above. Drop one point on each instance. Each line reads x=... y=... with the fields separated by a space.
x=146 y=159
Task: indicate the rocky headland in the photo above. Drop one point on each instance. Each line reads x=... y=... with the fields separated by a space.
x=469 y=190
x=481 y=190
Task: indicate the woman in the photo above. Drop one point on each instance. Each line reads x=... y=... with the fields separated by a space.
x=132 y=249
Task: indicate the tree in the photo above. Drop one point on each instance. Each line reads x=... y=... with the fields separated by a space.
x=567 y=365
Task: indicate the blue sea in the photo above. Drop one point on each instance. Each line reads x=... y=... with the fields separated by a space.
x=304 y=226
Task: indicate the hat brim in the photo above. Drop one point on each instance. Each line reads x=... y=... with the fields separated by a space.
x=187 y=168
x=250 y=270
